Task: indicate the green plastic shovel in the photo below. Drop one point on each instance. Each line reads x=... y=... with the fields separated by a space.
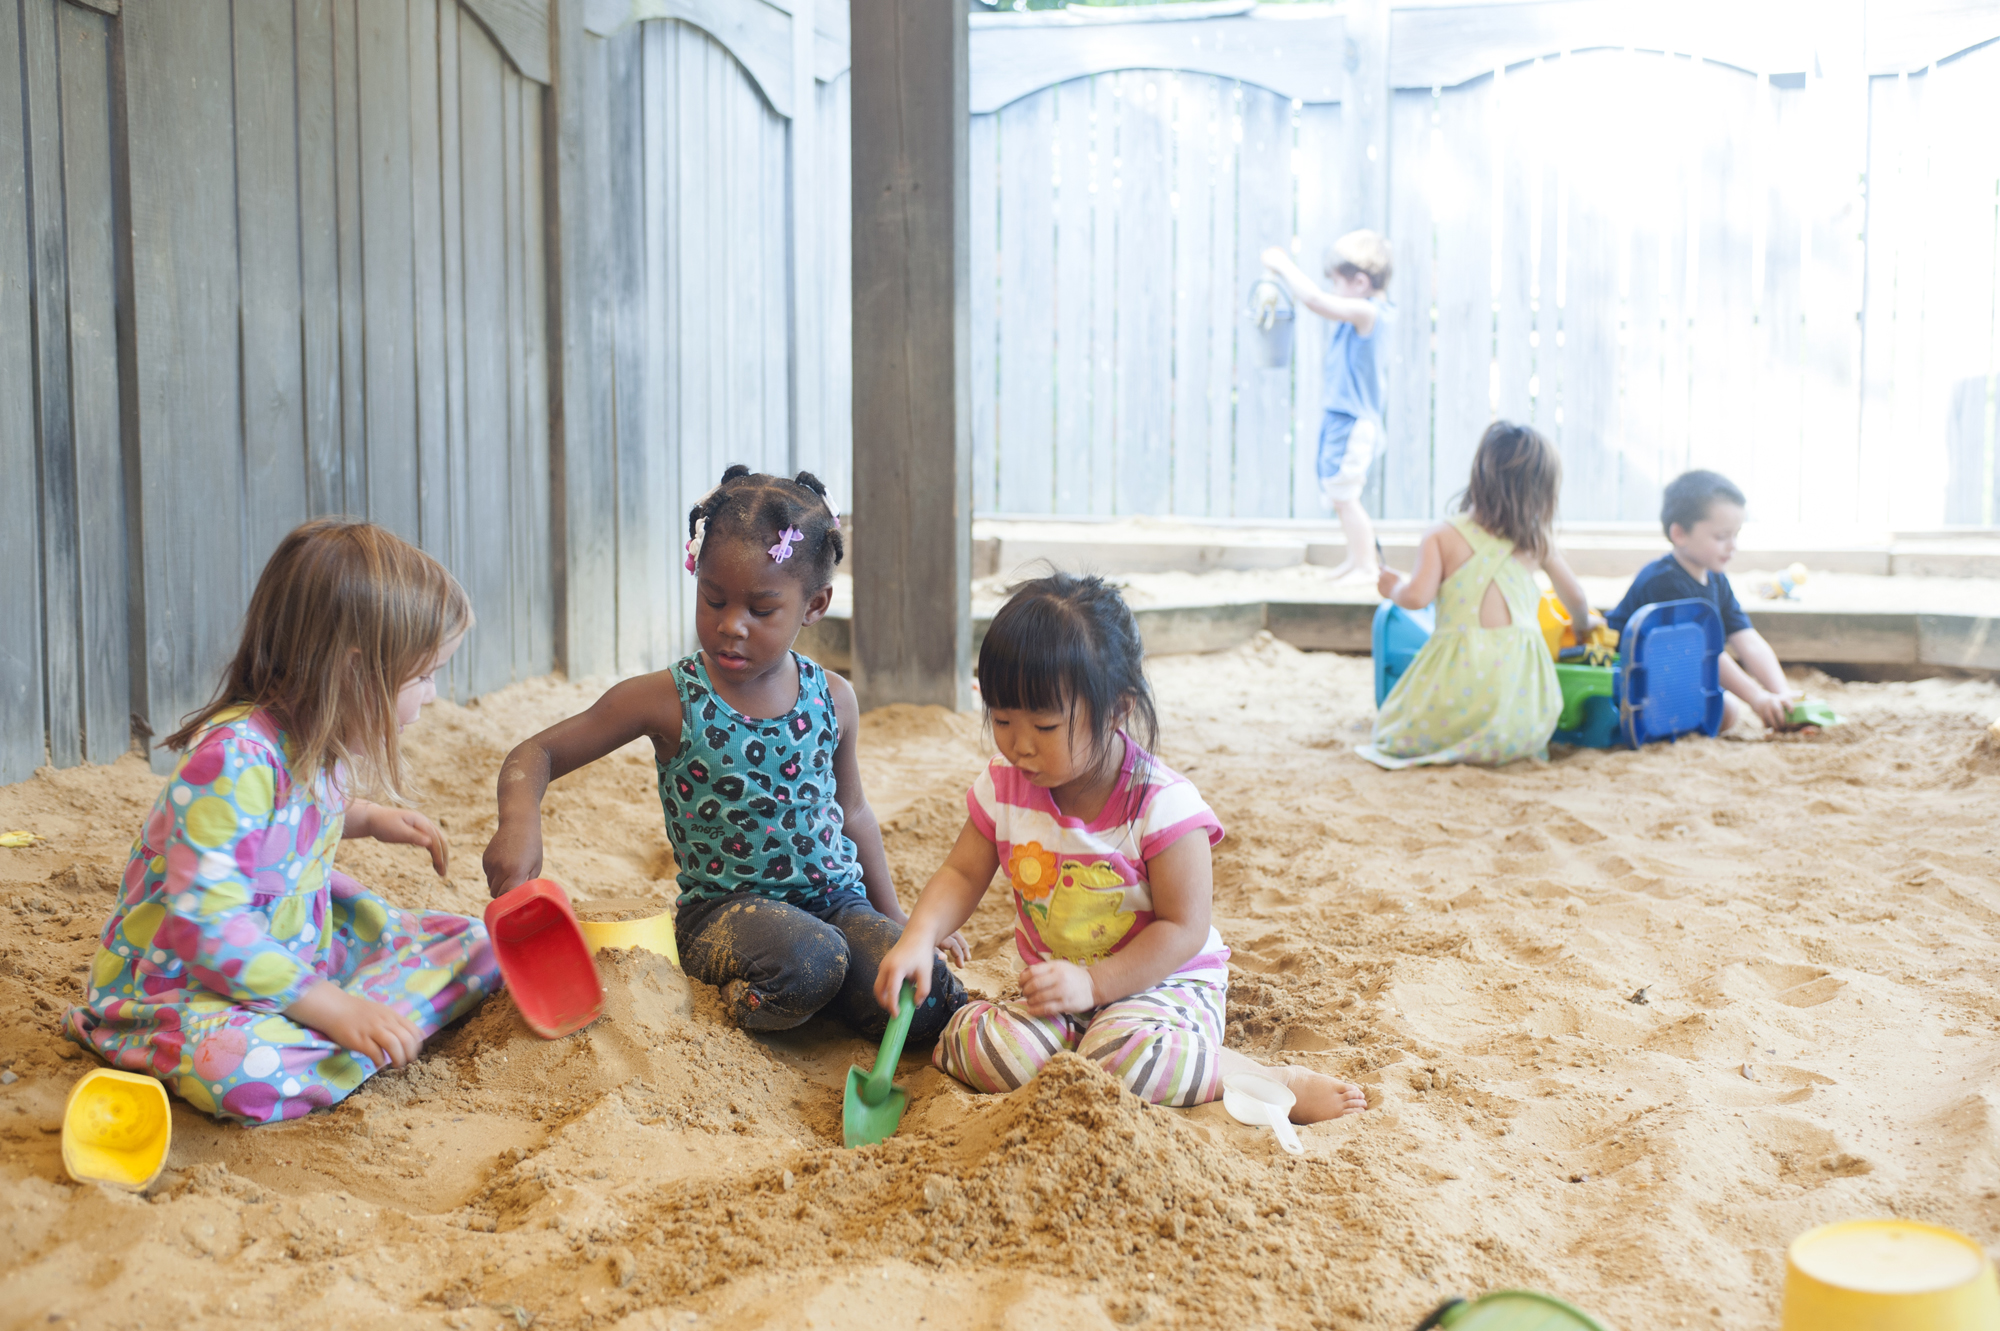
x=1510 y=1310
x=873 y=1105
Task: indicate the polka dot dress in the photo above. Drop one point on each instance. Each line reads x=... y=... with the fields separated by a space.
x=1474 y=694
x=231 y=909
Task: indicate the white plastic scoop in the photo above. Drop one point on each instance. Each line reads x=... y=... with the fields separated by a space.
x=1261 y=1102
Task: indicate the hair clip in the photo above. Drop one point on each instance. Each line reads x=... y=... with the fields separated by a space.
x=783 y=549
x=694 y=543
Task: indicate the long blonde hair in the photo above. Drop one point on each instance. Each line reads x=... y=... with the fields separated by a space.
x=1516 y=477
x=345 y=614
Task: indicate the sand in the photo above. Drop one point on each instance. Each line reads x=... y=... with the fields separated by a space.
x=1808 y=920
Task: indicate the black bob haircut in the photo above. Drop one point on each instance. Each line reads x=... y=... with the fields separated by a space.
x=1690 y=495
x=1068 y=643
x=750 y=505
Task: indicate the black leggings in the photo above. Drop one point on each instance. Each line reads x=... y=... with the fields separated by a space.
x=797 y=960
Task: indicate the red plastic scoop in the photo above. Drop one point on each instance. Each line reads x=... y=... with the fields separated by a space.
x=544 y=957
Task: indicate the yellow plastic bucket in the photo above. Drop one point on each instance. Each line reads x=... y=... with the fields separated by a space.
x=655 y=933
x=1888 y=1275
x=116 y=1129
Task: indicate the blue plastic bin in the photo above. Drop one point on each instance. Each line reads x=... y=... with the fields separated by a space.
x=1669 y=680
x=1590 y=706
x=1396 y=638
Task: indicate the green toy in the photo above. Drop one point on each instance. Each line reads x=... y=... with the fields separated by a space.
x=1579 y=684
x=1510 y=1310
x=873 y=1105
x=1809 y=713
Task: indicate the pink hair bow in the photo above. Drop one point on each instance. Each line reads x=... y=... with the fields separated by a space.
x=783 y=549
x=694 y=544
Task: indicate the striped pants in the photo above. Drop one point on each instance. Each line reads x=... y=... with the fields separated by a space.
x=1161 y=1043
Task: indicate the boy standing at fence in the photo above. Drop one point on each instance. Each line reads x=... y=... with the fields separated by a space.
x=1357 y=269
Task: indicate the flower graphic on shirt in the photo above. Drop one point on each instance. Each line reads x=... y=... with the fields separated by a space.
x=1032 y=870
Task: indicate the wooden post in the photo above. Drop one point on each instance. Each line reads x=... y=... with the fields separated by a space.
x=1364 y=118
x=807 y=332
x=912 y=354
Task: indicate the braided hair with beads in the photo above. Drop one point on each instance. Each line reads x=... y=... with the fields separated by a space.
x=793 y=515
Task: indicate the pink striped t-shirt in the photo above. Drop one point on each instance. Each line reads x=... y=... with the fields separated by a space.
x=1080 y=889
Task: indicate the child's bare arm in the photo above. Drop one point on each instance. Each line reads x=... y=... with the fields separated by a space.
x=1183 y=886
x=1419 y=587
x=646 y=706
x=1755 y=676
x=1574 y=598
x=859 y=819
x=946 y=902
x=1347 y=309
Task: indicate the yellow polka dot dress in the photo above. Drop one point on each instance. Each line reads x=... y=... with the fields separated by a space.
x=1474 y=694
x=231 y=909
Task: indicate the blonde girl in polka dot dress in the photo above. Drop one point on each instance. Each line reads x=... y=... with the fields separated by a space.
x=240 y=967
x=1483 y=689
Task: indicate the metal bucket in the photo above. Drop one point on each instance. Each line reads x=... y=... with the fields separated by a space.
x=1271 y=314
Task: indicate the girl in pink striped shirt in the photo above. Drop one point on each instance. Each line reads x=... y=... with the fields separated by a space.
x=1107 y=850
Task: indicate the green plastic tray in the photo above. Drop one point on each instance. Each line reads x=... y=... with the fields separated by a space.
x=1580 y=682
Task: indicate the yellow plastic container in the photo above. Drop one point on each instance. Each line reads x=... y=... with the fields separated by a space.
x=1888 y=1275
x=1553 y=618
x=116 y=1129
x=655 y=933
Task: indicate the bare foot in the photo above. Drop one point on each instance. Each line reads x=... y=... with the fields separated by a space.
x=1320 y=1097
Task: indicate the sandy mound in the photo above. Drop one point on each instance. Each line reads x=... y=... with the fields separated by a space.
x=1629 y=1023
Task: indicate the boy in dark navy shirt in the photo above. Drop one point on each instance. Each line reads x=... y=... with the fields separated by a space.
x=1702 y=513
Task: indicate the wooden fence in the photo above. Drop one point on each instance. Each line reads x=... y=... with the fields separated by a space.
x=516 y=282
x=1659 y=259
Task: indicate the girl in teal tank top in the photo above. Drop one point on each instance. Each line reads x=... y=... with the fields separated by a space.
x=1483 y=689
x=785 y=901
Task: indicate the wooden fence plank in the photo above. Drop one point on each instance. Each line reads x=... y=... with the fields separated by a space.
x=451 y=257
x=104 y=652
x=24 y=740
x=41 y=92
x=533 y=367
x=983 y=171
x=1223 y=303
x=774 y=372
x=321 y=389
x=666 y=152
x=636 y=510
x=267 y=218
x=1263 y=395
x=486 y=572
x=1464 y=286
x=1024 y=301
x=1105 y=112
x=1778 y=423
x=185 y=309
x=1407 y=462
x=836 y=226
x=1587 y=298
x=431 y=434
x=1320 y=206
x=1514 y=242
x=1194 y=215
x=388 y=245
x=523 y=566
x=1145 y=267
x=1720 y=348
x=653 y=633
x=347 y=232
x=1071 y=480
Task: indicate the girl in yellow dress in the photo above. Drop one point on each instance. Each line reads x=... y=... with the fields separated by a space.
x=1483 y=689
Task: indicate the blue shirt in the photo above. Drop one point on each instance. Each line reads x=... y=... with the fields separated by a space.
x=1665 y=580
x=1356 y=367
x=750 y=803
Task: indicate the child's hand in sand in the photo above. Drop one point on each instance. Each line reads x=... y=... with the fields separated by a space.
x=374 y=1030
x=513 y=856
x=956 y=948
x=1056 y=987
x=1773 y=709
x=404 y=827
